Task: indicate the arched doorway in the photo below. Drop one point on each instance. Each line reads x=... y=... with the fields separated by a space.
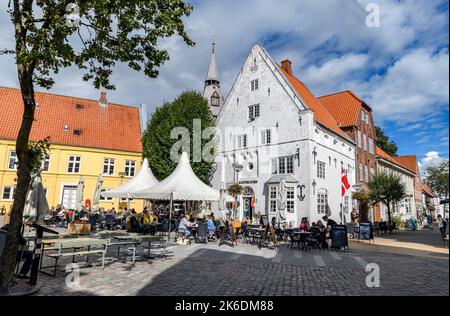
x=248 y=197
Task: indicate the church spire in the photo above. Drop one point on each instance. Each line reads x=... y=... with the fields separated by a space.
x=212 y=85
x=213 y=74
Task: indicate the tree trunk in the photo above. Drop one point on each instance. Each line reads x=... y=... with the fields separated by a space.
x=389 y=211
x=8 y=261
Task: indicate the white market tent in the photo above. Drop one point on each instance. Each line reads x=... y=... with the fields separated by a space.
x=181 y=185
x=144 y=180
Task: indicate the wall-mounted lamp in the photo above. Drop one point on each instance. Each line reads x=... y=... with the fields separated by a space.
x=300 y=120
x=277 y=125
x=237 y=101
x=297 y=156
x=314 y=154
x=314 y=183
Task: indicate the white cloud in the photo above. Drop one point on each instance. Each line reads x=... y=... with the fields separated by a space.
x=431 y=159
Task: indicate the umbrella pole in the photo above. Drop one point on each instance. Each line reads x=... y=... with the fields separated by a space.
x=170 y=212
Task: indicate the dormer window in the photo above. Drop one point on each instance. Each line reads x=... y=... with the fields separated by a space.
x=77 y=132
x=215 y=99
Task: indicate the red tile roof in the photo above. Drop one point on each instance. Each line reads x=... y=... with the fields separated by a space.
x=321 y=115
x=382 y=154
x=345 y=107
x=427 y=190
x=409 y=162
x=115 y=127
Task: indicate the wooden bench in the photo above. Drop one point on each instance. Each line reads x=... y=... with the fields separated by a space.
x=75 y=248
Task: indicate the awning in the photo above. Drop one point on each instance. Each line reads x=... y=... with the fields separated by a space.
x=183 y=184
x=276 y=179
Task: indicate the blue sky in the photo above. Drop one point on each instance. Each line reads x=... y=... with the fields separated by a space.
x=399 y=68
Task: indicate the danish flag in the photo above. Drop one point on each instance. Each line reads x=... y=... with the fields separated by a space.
x=345 y=185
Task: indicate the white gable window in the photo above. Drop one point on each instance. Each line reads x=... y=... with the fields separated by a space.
x=108 y=166
x=322 y=201
x=12 y=160
x=74 y=164
x=273 y=191
x=241 y=141
x=253 y=112
x=321 y=169
x=290 y=199
x=266 y=137
x=283 y=165
x=255 y=85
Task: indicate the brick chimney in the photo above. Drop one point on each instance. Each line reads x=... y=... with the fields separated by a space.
x=103 y=101
x=287 y=66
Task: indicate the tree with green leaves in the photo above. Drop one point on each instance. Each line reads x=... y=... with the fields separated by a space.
x=437 y=178
x=183 y=121
x=387 y=188
x=92 y=35
x=389 y=146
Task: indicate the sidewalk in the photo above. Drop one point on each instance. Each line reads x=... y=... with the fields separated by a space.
x=428 y=241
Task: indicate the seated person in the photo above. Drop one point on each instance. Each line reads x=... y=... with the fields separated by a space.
x=136 y=227
x=145 y=219
x=211 y=226
x=185 y=224
x=26 y=254
x=322 y=238
x=304 y=225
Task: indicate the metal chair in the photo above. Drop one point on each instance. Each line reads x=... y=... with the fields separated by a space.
x=2 y=241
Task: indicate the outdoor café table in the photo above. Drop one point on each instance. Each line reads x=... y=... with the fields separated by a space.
x=137 y=239
x=48 y=243
x=302 y=235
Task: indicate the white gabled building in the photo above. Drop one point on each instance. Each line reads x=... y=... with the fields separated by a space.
x=274 y=128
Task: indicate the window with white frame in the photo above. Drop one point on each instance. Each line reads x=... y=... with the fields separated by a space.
x=8 y=193
x=371 y=146
x=290 y=199
x=12 y=160
x=365 y=142
x=283 y=165
x=102 y=198
x=126 y=199
x=358 y=133
x=372 y=172
x=321 y=169
x=346 y=204
x=130 y=168
x=322 y=201
x=241 y=141
x=74 y=164
x=253 y=112
x=266 y=137
x=363 y=118
x=408 y=206
x=361 y=172
x=255 y=84
x=108 y=166
x=366 y=173
x=273 y=191
x=45 y=163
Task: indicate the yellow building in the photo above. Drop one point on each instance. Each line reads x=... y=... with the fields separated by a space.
x=88 y=138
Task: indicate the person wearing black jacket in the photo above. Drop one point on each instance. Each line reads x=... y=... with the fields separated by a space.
x=26 y=254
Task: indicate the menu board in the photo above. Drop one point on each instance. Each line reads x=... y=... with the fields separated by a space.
x=365 y=231
x=339 y=237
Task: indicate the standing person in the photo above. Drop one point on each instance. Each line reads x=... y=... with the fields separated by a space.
x=442 y=226
x=354 y=216
x=329 y=221
x=430 y=221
